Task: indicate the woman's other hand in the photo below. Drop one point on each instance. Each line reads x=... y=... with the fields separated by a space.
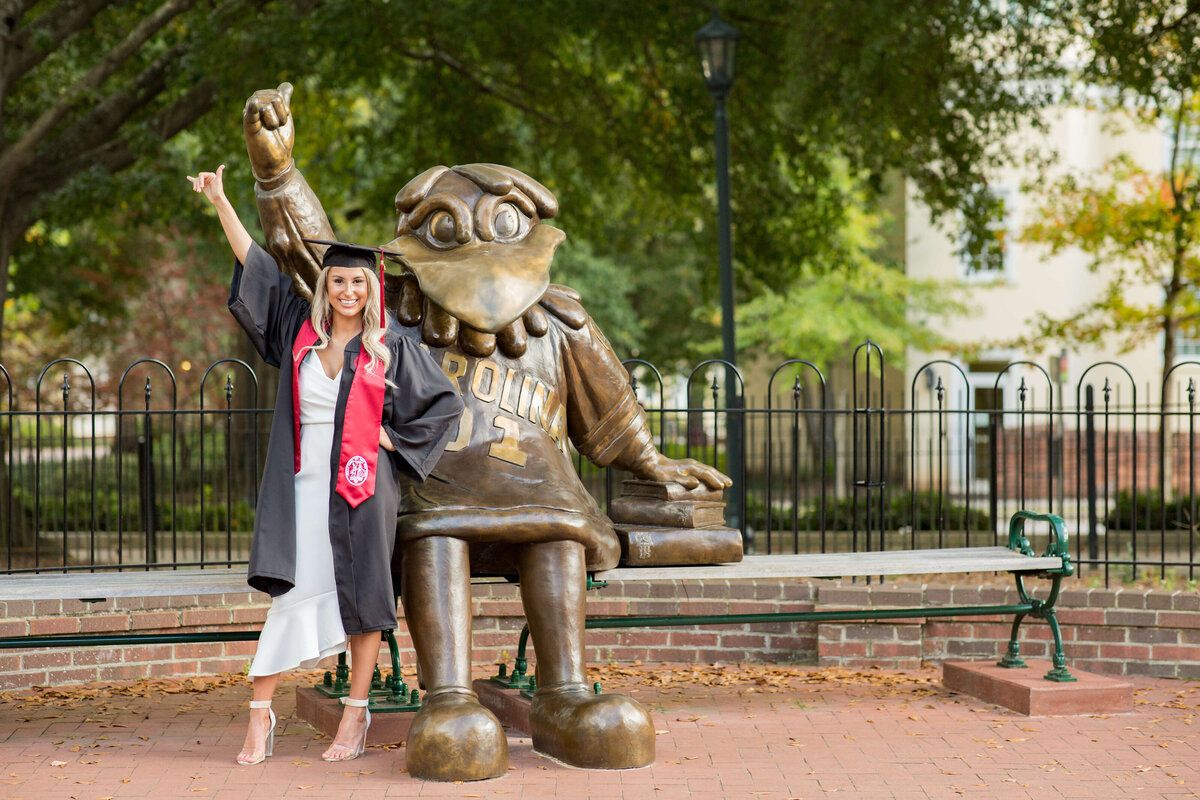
x=385 y=442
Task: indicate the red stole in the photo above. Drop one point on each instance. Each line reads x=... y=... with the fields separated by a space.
x=360 y=424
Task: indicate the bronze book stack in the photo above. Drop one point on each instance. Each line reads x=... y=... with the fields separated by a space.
x=665 y=524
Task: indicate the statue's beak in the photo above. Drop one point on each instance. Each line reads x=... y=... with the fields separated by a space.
x=487 y=285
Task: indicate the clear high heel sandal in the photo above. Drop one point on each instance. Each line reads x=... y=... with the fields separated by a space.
x=343 y=753
x=269 y=745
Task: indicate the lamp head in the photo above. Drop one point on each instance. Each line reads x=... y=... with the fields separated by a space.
x=718 y=54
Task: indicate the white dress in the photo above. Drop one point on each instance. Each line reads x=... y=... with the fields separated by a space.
x=304 y=624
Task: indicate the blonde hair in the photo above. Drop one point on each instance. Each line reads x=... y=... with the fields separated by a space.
x=373 y=326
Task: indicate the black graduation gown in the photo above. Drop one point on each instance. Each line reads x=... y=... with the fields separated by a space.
x=418 y=415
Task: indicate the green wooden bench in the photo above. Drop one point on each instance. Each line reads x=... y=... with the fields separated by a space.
x=1017 y=558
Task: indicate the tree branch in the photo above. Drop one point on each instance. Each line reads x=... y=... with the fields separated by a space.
x=436 y=54
x=22 y=152
x=11 y=11
x=103 y=120
x=1162 y=27
x=50 y=30
x=115 y=155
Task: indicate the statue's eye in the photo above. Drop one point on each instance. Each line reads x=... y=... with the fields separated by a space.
x=442 y=228
x=508 y=222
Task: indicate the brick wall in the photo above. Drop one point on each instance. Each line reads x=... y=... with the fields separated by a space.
x=55 y=666
x=1122 y=632
x=1109 y=631
x=1115 y=460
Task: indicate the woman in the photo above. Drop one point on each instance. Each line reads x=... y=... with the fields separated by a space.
x=359 y=399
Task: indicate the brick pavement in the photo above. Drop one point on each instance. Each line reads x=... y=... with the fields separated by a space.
x=753 y=732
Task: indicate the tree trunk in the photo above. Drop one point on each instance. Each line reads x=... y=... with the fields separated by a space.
x=18 y=535
x=7 y=240
x=1169 y=330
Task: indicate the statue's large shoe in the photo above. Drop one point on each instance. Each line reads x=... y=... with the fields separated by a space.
x=571 y=723
x=454 y=738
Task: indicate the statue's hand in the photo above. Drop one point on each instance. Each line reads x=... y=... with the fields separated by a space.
x=267 y=123
x=688 y=472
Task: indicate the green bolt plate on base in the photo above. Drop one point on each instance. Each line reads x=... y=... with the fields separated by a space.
x=1060 y=674
x=404 y=701
x=517 y=679
x=528 y=693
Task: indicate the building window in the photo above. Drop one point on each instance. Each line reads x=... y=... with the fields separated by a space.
x=1187 y=343
x=990 y=256
x=1185 y=151
x=988 y=396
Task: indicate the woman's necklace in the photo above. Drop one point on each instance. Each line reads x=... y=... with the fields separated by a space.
x=334 y=353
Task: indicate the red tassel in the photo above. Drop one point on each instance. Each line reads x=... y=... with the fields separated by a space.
x=382 y=306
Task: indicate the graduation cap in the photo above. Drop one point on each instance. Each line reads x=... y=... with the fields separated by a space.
x=343 y=254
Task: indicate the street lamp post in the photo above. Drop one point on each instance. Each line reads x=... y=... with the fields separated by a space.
x=717 y=42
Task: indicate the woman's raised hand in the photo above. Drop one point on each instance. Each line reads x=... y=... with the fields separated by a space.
x=210 y=184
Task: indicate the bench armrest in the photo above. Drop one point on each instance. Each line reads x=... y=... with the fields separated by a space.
x=1057 y=546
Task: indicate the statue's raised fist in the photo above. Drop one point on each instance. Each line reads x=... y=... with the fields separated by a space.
x=270 y=134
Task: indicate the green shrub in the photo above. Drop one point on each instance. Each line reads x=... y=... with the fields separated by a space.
x=1152 y=514
x=899 y=510
x=78 y=512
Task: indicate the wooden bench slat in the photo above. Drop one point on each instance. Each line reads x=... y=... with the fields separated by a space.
x=159 y=583
x=162 y=583
x=837 y=565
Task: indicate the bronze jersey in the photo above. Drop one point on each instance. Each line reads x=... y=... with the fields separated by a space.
x=507 y=476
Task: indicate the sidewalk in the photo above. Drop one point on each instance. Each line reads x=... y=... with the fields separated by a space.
x=744 y=731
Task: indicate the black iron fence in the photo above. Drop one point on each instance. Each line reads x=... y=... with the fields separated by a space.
x=881 y=459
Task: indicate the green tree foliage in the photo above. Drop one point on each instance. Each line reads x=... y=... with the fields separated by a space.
x=602 y=102
x=865 y=297
x=1141 y=227
x=91 y=94
x=606 y=105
